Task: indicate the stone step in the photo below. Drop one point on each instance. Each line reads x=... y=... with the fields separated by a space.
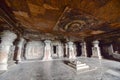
x=79 y=66
x=83 y=68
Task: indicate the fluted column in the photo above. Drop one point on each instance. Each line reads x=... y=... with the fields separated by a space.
x=83 y=49
x=71 y=50
x=20 y=49
x=7 y=39
x=96 y=49
x=47 y=50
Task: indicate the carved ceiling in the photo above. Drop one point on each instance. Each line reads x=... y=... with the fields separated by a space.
x=63 y=19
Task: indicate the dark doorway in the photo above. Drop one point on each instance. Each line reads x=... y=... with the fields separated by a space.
x=54 y=49
x=78 y=48
x=89 y=49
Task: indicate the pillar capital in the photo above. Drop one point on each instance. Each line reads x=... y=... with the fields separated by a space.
x=83 y=43
x=95 y=42
x=96 y=49
x=70 y=43
x=8 y=36
x=47 y=41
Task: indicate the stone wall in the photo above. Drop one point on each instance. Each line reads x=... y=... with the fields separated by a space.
x=34 y=50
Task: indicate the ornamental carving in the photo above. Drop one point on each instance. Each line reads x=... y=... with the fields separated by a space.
x=74 y=20
x=74 y=26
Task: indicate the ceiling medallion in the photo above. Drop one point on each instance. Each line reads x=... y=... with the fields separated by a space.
x=74 y=26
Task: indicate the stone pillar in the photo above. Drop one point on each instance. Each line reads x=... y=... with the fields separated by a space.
x=7 y=39
x=110 y=50
x=60 y=50
x=71 y=51
x=66 y=49
x=83 y=49
x=20 y=49
x=96 y=49
x=47 y=50
x=75 y=49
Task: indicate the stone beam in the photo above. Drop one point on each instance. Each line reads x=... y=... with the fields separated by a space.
x=108 y=35
x=8 y=19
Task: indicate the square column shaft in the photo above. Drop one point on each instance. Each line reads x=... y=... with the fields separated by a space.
x=7 y=39
x=83 y=49
x=47 y=50
x=71 y=50
x=96 y=49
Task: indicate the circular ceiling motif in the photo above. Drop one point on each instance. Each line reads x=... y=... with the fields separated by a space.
x=74 y=26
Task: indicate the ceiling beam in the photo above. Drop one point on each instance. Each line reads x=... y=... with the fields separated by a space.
x=108 y=35
x=7 y=18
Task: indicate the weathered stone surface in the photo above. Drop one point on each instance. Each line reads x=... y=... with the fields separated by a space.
x=96 y=49
x=80 y=18
x=83 y=49
x=47 y=51
x=34 y=50
x=7 y=39
x=71 y=51
x=57 y=70
x=78 y=66
x=20 y=49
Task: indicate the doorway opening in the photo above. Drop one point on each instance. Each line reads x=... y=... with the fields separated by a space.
x=54 y=49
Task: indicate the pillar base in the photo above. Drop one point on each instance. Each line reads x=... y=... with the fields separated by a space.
x=18 y=61
x=99 y=57
x=3 y=66
x=72 y=57
x=83 y=56
x=46 y=59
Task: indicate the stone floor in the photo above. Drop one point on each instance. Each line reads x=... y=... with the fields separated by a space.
x=58 y=70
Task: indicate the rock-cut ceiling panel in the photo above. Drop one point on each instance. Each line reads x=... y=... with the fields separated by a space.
x=75 y=21
x=78 y=18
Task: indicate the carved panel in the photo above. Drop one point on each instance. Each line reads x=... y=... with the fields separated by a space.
x=34 y=50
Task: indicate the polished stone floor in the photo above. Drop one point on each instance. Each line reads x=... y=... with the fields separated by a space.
x=58 y=70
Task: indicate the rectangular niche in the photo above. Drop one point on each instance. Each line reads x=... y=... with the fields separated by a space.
x=34 y=50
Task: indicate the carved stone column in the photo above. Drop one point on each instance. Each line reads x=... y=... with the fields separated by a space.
x=47 y=50
x=83 y=49
x=60 y=50
x=66 y=49
x=71 y=50
x=75 y=49
x=20 y=49
x=7 y=39
x=110 y=50
x=96 y=49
